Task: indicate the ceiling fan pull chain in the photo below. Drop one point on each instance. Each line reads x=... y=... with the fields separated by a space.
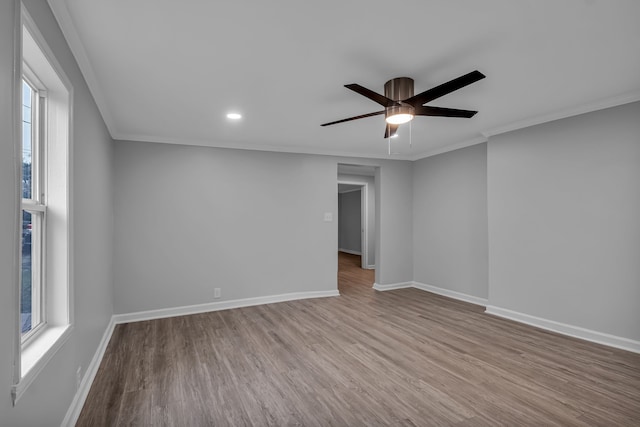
x=389 y=140
x=410 y=133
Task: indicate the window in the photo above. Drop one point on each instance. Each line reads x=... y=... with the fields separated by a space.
x=32 y=314
x=45 y=286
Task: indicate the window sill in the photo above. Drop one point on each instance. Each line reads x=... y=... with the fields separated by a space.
x=37 y=354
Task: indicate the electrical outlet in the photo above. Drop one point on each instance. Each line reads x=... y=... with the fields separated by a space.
x=216 y=293
x=78 y=377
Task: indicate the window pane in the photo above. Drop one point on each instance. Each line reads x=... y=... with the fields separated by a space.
x=26 y=288
x=27 y=140
x=26 y=94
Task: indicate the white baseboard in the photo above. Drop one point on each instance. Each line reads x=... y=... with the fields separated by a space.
x=349 y=251
x=216 y=306
x=538 y=322
x=451 y=294
x=392 y=286
x=565 y=329
x=371 y=267
x=434 y=290
x=74 y=410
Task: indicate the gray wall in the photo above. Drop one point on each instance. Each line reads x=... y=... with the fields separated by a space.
x=564 y=221
x=350 y=221
x=182 y=229
x=8 y=207
x=48 y=398
x=450 y=221
x=191 y=219
x=394 y=224
x=371 y=212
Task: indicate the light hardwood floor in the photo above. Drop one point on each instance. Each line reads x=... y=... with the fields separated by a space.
x=366 y=358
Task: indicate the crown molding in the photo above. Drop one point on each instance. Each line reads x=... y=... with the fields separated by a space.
x=68 y=28
x=601 y=104
x=255 y=147
x=483 y=137
x=451 y=147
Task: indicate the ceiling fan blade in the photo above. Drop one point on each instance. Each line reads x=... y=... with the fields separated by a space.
x=390 y=130
x=443 y=112
x=445 y=88
x=376 y=97
x=354 y=118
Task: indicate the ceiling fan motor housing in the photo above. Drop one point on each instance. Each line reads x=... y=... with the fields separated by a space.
x=399 y=89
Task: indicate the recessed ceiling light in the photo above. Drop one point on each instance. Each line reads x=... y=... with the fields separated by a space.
x=234 y=116
x=395 y=135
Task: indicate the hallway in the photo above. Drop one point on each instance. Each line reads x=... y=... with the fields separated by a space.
x=352 y=278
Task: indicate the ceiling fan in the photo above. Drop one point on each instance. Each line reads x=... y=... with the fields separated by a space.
x=401 y=105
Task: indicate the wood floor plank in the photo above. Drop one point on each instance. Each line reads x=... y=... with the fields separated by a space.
x=366 y=358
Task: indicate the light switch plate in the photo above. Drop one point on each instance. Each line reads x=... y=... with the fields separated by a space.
x=328 y=216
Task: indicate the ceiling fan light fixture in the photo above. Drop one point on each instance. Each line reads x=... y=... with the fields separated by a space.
x=399 y=114
x=398 y=119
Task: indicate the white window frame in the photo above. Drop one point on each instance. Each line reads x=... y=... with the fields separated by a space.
x=41 y=69
x=36 y=206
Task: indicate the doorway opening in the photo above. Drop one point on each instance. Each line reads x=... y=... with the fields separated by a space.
x=352 y=220
x=356 y=224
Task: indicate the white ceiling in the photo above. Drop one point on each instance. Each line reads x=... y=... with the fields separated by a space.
x=169 y=71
